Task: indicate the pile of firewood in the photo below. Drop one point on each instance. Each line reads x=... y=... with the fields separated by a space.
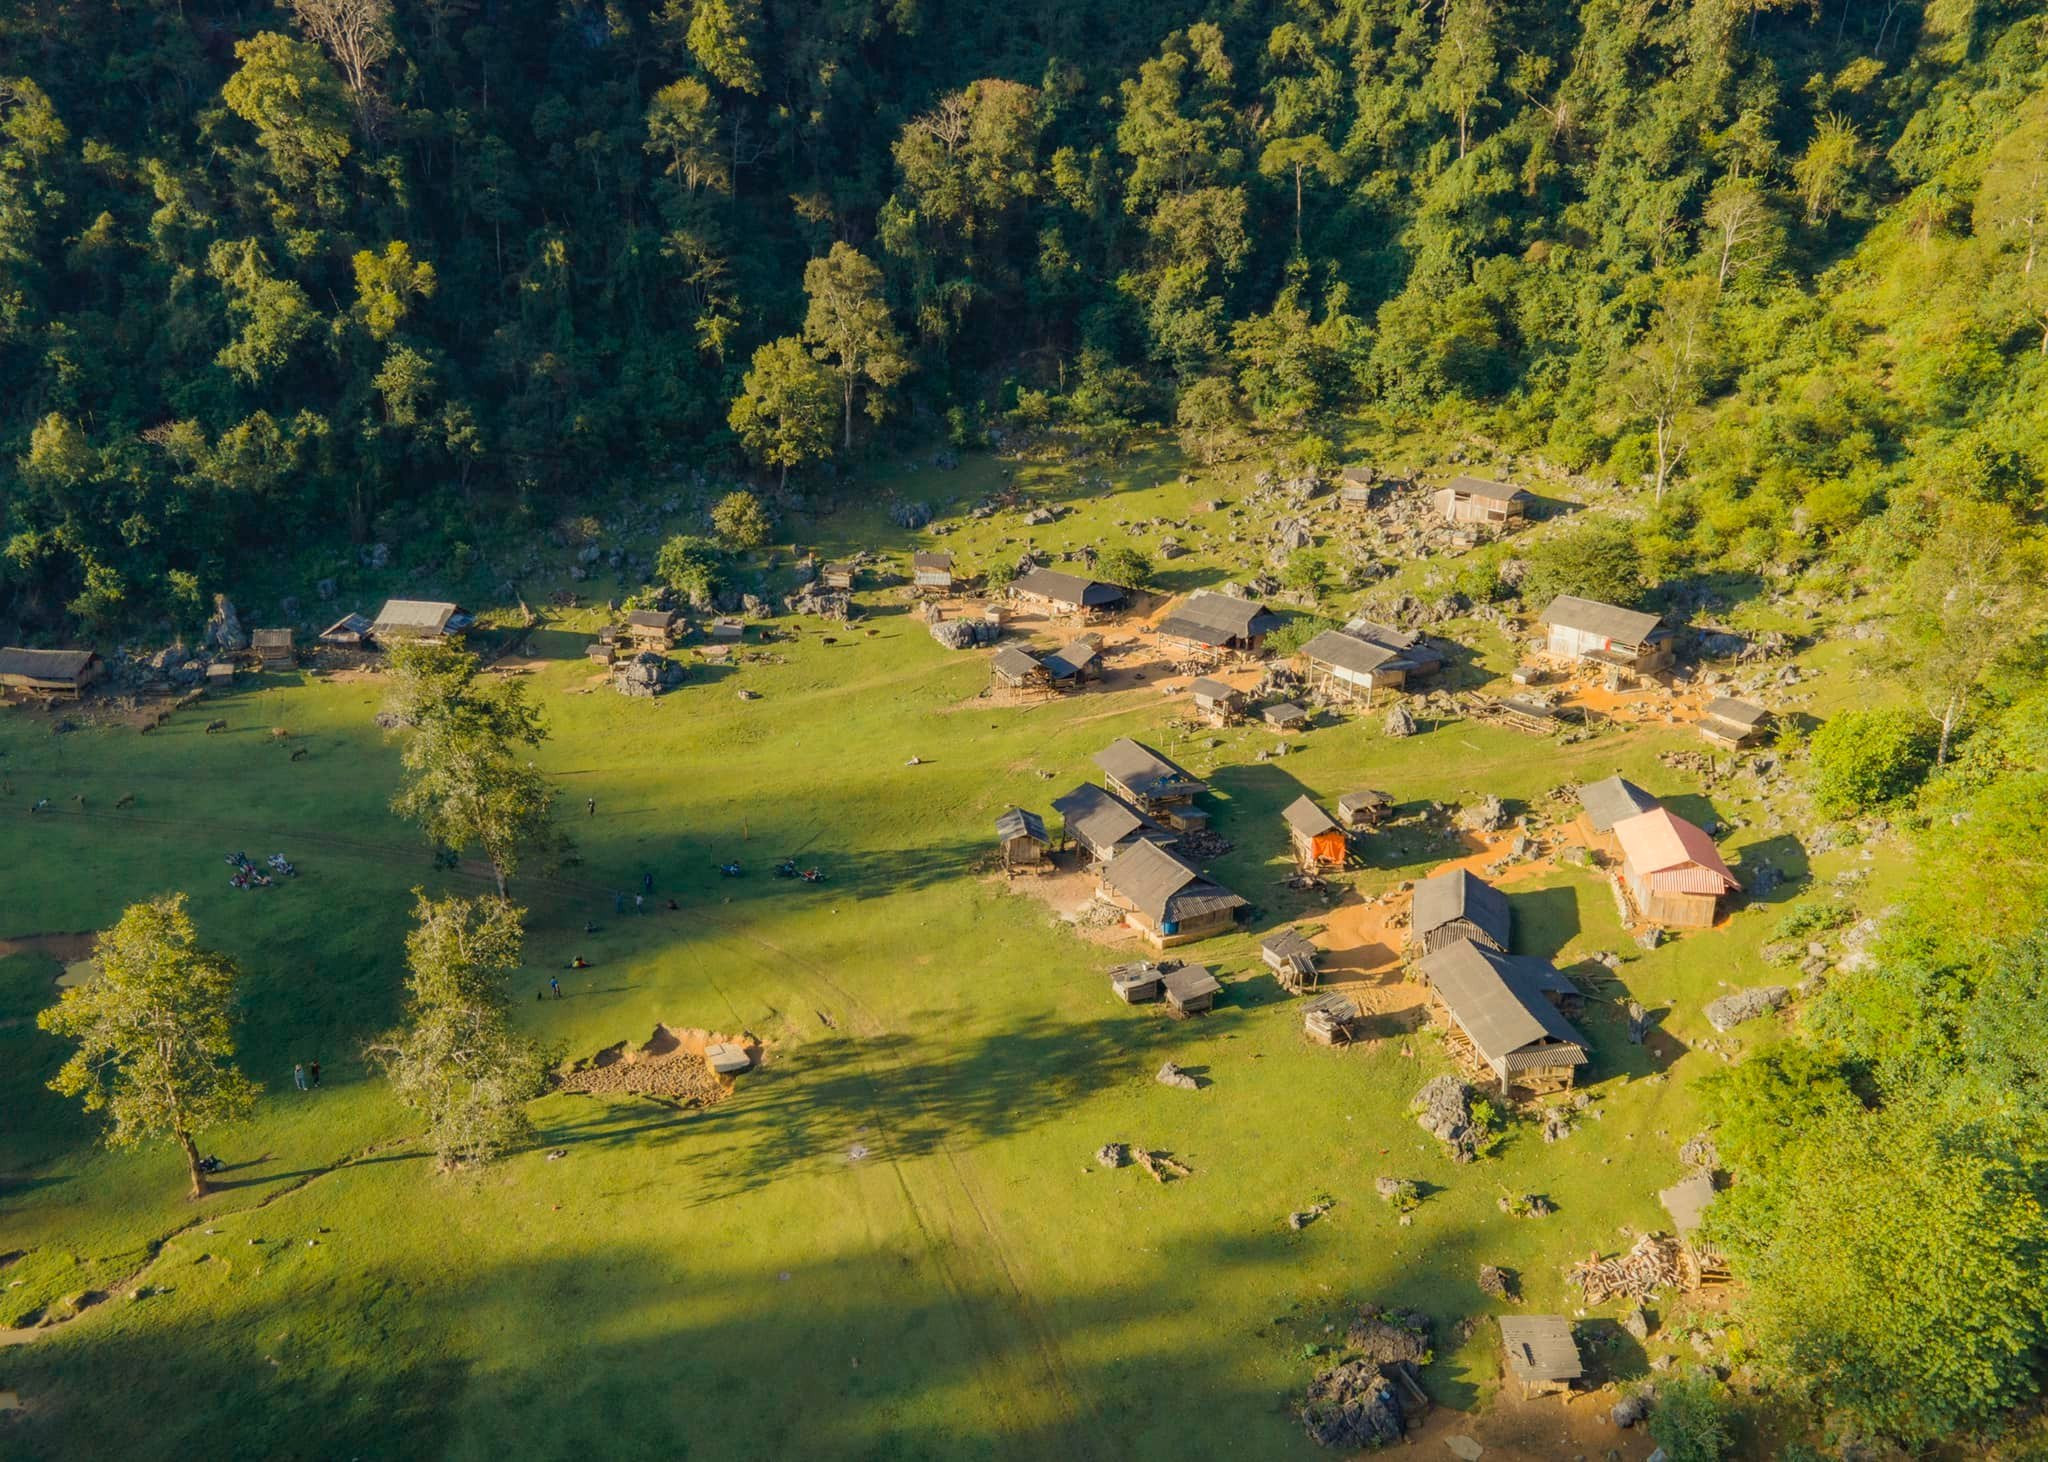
x=1653 y=1264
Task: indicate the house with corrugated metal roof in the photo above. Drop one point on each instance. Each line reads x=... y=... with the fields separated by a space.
x=1674 y=874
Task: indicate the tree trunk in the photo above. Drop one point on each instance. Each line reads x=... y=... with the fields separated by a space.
x=1297 y=208
x=847 y=444
x=1948 y=726
x=783 y=484
x=200 y=1187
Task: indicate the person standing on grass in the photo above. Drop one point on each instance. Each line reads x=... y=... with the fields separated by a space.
x=590 y=806
x=639 y=903
x=313 y=1070
x=299 y=1077
x=555 y=985
x=647 y=881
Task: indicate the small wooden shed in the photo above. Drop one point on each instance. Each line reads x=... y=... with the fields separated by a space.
x=1606 y=634
x=1101 y=824
x=1477 y=500
x=1731 y=724
x=1164 y=899
x=274 y=648
x=1343 y=667
x=414 y=619
x=1541 y=1355
x=651 y=629
x=1021 y=839
x=1359 y=487
x=1160 y=787
x=1369 y=808
x=1318 y=842
x=1503 y=1015
x=1287 y=716
x=931 y=573
x=1074 y=664
x=1456 y=904
x=1674 y=874
x=1059 y=593
x=347 y=633
x=1134 y=984
x=48 y=674
x=1208 y=625
x=1611 y=800
x=1217 y=703
x=838 y=575
x=1328 y=1020
x=1293 y=958
x=1015 y=668
x=727 y=631
x=1190 y=989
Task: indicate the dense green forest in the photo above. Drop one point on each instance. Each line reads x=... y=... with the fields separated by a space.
x=278 y=271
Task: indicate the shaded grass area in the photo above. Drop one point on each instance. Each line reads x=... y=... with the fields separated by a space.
x=892 y=1241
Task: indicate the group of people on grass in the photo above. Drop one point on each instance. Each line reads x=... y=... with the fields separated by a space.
x=248 y=875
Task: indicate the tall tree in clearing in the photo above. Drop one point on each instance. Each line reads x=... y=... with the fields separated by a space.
x=456 y=1061
x=465 y=784
x=156 y=1048
x=848 y=326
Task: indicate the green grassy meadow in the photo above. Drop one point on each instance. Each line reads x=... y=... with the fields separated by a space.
x=736 y=1281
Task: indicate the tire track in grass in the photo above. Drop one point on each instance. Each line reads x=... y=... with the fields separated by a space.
x=937 y=1235
x=1057 y=1379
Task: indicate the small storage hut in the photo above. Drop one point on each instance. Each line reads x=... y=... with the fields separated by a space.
x=1166 y=900
x=1318 y=842
x=931 y=573
x=1134 y=984
x=1501 y=1013
x=1015 y=668
x=1293 y=958
x=1672 y=870
x=1287 y=716
x=1612 y=800
x=1058 y=593
x=837 y=575
x=274 y=648
x=651 y=629
x=48 y=674
x=347 y=633
x=1731 y=724
x=1160 y=788
x=1476 y=500
x=1606 y=634
x=1073 y=665
x=727 y=630
x=1101 y=824
x=1455 y=905
x=1021 y=839
x=1217 y=703
x=1190 y=989
x=1359 y=487
x=1207 y=625
x=1328 y=1019
x=1423 y=657
x=1541 y=1355
x=1370 y=808
x=413 y=619
x=1342 y=667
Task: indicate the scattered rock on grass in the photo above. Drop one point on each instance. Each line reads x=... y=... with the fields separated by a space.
x=1172 y=1075
x=1352 y=1407
x=1732 y=1010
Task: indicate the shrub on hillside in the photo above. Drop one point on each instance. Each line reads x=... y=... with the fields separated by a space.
x=691 y=566
x=1596 y=560
x=1861 y=760
x=740 y=521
